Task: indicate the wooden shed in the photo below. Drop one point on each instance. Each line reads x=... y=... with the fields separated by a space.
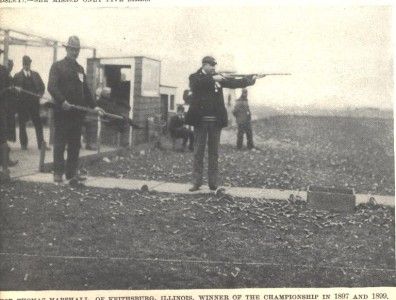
x=168 y=98
x=134 y=82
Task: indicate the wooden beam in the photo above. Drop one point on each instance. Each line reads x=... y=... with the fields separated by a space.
x=45 y=41
x=50 y=111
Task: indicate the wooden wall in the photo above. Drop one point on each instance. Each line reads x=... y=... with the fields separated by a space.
x=143 y=107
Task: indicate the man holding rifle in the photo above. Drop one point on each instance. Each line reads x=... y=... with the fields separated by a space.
x=208 y=115
x=68 y=86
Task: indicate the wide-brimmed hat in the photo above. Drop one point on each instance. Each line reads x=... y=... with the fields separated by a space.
x=73 y=42
x=26 y=60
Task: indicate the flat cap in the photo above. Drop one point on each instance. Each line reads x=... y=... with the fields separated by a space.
x=209 y=60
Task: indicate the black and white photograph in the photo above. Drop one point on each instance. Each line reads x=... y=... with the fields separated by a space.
x=185 y=147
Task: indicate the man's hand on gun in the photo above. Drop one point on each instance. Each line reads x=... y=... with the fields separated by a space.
x=100 y=111
x=66 y=105
x=218 y=77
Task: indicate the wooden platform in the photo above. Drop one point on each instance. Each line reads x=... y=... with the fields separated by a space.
x=28 y=160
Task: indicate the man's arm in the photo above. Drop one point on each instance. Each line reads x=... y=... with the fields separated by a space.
x=40 y=83
x=233 y=83
x=53 y=85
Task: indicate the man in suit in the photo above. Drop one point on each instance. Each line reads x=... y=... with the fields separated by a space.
x=208 y=114
x=29 y=105
x=67 y=84
x=177 y=129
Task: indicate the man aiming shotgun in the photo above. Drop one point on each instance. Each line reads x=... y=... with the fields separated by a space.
x=188 y=95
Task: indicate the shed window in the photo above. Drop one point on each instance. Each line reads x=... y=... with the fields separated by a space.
x=172 y=102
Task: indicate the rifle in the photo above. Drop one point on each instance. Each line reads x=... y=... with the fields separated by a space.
x=259 y=75
x=51 y=103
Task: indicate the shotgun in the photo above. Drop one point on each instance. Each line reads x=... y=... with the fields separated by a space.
x=51 y=103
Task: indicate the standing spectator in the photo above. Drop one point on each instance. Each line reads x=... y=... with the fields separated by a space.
x=243 y=119
x=208 y=115
x=67 y=84
x=29 y=105
x=177 y=129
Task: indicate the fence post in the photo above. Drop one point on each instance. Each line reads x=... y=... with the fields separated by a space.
x=42 y=156
x=99 y=133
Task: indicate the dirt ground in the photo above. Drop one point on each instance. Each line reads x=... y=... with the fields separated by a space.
x=295 y=152
x=57 y=237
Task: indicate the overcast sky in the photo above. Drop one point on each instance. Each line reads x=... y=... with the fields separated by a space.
x=338 y=56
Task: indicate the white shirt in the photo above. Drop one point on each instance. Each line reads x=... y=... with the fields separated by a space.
x=27 y=73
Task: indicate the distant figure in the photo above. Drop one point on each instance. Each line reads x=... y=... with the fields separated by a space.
x=67 y=84
x=177 y=129
x=29 y=105
x=208 y=114
x=243 y=119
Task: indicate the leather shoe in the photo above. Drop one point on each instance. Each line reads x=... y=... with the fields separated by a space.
x=46 y=148
x=74 y=182
x=58 y=178
x=4 y=176
x=91 y=147
x=194 y=188
x=12 y=163
x=77 y=177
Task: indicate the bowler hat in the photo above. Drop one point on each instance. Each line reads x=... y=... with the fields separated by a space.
x=209 y=60
x=26 y=60
x=73 y=42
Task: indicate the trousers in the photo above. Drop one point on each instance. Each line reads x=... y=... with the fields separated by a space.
x=30 y=109
x=245 y=128
x=67 y=133
x=207 y=132
x=186 y=135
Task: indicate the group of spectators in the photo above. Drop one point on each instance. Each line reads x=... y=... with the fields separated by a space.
x=19 y=97
x=68 y=87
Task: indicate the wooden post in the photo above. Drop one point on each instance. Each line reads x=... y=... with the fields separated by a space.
x=42 y=156
x=6 y=47
x=99 y=133
x=51 y=112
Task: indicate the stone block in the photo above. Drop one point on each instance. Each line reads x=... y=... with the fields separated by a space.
x=331 y=199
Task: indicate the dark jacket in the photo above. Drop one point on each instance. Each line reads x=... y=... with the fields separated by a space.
x=241 y=111
x=175 y=122
x=67 y=81
x=39 y=87
x=207 y=100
